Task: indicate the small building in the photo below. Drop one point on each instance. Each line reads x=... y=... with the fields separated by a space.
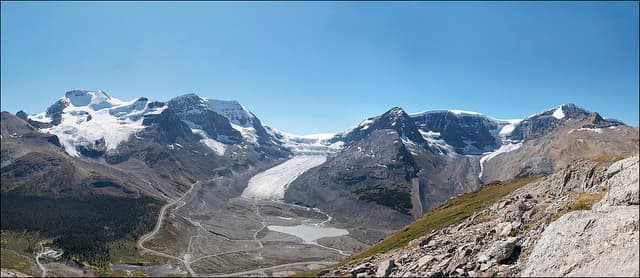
x=53 y=254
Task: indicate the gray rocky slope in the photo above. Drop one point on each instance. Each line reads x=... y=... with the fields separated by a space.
x=162 y=159
x=392 y=168
x=395 y=167
x=538 y=230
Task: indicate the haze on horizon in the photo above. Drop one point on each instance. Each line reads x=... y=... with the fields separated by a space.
x=323 y=67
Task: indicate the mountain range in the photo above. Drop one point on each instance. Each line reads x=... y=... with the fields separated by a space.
x=378 y=176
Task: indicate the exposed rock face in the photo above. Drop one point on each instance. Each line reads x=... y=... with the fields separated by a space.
x=13 y=126
x=34 y=163
x=411 y=163
x=166 y=128
x=55 y=111
x=155 y=148
x=588 y=243
x=385 y=268
x=383 y=178
x=473 y=134
x=216 y=118
x=518 y=236
x=601 y=242
x=161 y=160
x=196 y=111
x=355 y=188
x=543 y=123
x=622 y=186
x=395 y=119
x=550 y=144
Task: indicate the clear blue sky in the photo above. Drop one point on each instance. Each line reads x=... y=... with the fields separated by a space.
x=313 y=67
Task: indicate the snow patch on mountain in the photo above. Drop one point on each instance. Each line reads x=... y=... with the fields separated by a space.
x=436 y=142
x=240 y=118
x=218 y=147
x=508 y=127
x=499 y=129
x=596 y=130
x=42 y=117
x=455 y=112
x=558 y=113
x=249 y=134
x=96 y=100
x=232 y=110
x=364 y=125
x=464 y=112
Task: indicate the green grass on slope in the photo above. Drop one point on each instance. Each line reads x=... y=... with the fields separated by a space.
x=450 y=212
x=15 y=246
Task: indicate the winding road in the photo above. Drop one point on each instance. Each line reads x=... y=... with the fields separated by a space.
x=283 y=176
x=41 y=266
x=146 y=237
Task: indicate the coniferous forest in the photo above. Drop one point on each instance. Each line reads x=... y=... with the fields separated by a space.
x=82 y=227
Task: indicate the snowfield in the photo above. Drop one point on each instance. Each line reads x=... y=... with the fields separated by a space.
x=311 y=144
x=558 y=113
x=94 y=115
x=272 y=183
x=218 y=147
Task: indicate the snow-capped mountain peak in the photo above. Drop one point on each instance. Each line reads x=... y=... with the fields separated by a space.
x=394 y=119
x=188 y=104
x=456 y=113
x=561 y=111
x=95 y=99
x=93 y=121
x=230 y=109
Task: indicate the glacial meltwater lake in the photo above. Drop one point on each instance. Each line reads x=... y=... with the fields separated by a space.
x=309 y=233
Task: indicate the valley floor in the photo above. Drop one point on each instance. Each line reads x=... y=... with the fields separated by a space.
x=203 y=233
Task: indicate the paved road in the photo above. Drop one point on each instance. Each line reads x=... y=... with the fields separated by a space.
x=146 y=237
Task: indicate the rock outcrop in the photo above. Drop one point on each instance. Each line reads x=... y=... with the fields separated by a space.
x=580 y=221
x=599 y=242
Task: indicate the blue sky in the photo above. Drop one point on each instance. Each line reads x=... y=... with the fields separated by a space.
x=313 y=67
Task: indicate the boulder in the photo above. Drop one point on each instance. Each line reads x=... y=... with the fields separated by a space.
x=499 y=250
x=385 y=268
x=588 y=243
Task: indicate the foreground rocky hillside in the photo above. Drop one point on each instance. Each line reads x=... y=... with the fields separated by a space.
x=580 y=221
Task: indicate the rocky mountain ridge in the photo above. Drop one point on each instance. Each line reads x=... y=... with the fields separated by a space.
x=580 y=221
x=160 y=150
x=421 y=159
x=404 y=163
x=377 y=176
